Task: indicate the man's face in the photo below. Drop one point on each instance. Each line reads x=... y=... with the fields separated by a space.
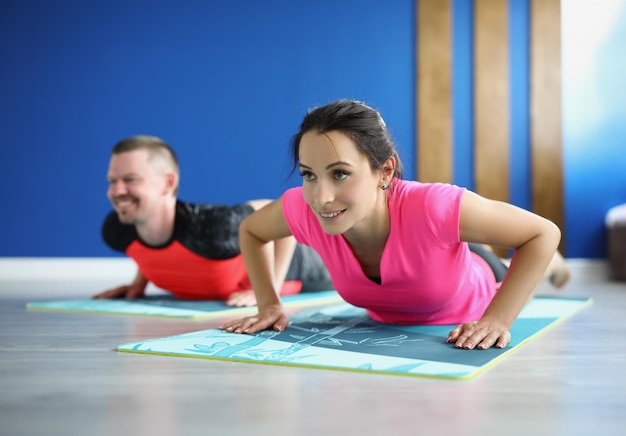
x=137 y=187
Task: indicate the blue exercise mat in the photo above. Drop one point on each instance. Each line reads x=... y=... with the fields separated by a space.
x=170 y=307
x=343 y=337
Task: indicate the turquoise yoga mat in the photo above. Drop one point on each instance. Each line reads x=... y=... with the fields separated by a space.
x=343 y=337
x=170 y=307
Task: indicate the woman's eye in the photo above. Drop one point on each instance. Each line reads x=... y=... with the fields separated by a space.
x=307 y=175
x=340 y=175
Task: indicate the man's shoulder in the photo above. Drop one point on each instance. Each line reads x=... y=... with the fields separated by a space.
x=210 y=230
x=211 y=213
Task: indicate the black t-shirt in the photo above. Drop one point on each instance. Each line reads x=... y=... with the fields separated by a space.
x=211 y=231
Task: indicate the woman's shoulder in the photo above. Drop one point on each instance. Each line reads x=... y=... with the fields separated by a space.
x=295 y=191
x=414 y=190
x=292 y=199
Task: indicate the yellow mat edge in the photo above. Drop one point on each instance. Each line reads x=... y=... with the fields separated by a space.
x=468 y=377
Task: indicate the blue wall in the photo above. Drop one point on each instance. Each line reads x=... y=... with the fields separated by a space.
x=594 y=119
x=227 y=83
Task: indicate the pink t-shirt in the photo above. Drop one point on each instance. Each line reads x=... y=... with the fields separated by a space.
x=428 y=276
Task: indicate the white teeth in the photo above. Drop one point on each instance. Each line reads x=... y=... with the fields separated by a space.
x=330 y=215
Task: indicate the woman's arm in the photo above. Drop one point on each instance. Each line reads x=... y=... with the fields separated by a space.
x=256 y=234
x=534 y=239
x=283 y=250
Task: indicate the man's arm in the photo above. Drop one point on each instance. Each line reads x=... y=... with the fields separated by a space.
x=137 y=289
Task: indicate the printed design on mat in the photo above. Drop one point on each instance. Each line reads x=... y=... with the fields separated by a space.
x=344 y=337
x=355 y=333
x=317 y=331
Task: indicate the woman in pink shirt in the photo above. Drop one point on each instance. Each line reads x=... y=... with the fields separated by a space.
x=408 y=252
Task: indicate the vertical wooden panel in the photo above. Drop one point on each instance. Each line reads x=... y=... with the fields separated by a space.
x=545 y=111
x=491 y=99
x=434 y=93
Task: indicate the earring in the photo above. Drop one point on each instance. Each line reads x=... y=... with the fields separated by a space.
x=383 y=186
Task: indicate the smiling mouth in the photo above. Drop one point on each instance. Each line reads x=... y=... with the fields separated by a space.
x=331 y=214
x=124 y=203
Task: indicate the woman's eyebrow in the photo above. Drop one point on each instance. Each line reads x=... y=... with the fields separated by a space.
x=329 y=166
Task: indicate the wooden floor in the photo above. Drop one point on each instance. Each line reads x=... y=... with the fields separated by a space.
x=60 y=375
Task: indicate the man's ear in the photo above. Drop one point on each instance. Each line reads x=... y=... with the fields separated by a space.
x=171 y=182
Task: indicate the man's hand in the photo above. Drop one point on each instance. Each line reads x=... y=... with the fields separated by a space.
x=127 y=291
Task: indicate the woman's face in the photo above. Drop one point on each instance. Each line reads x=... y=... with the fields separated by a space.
x=338 y=182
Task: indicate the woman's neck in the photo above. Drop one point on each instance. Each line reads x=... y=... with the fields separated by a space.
x=369 y=239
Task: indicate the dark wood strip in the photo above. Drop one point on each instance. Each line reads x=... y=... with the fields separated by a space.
x=491 y=99
x=545 y=111
x=434 y=91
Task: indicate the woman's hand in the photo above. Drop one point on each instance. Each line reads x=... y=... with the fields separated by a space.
x=241 y=299
x=481 y=334
x=270 y=317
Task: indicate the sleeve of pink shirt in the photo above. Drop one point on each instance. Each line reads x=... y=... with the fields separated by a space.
x=295 y=210
x=444 y=214
x=439 y=205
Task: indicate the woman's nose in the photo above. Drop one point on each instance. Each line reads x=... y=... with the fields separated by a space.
x=324 y=193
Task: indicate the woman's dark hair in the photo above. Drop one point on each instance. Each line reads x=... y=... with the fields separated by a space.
x=360 y=123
